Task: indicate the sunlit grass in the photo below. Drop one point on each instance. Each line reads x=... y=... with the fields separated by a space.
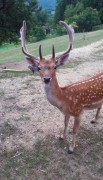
x=13 y=53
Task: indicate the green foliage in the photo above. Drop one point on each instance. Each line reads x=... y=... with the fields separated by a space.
x=73 y=10
x=95 y=5
x=87 y=19
x=61 y=6
x=39 y=33
x=12 y=15
x=39 y=17
x=84 y=19
x=79 y=7
x=74 y=25
x=82 y=14
x=58 y=13
x=101 y=15
x=60 y=31
x=69 y=12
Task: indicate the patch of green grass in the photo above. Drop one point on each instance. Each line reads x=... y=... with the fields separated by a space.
x=71 y=64
x=7 y=129
x=14 y=53
x=10 y=74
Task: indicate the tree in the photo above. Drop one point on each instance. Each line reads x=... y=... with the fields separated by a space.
x=73 y=11
x=39 y=16
x=87 y=19
x=95 y=5
x=71 y=14
x=101 y=15
x=61 y=6
x=12 y=16
x=14 y=13
x=83 y=18
x=82 y=14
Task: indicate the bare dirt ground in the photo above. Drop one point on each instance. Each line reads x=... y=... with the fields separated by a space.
x=26 y=117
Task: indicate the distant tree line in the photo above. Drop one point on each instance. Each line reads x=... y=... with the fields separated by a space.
x=82 y=14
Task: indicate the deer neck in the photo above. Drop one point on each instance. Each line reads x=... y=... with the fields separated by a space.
x=53 y=92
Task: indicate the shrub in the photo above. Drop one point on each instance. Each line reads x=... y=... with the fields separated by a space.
x=97 y=27
x=39 y=33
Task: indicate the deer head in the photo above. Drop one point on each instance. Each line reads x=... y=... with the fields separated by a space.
x=46 y=67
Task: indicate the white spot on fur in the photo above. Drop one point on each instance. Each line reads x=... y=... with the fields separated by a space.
x=70 y=97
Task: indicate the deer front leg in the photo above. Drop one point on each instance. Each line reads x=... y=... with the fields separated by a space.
x=66 y=121
x=96 y=117
x=75 y=129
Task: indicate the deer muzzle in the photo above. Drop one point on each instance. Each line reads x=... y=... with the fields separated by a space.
x=46 y=79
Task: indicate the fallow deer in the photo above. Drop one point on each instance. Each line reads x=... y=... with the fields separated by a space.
x=72 y=99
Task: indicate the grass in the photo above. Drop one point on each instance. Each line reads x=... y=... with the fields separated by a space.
x=71 y=64
x=6 y=129
x=49 y=160
x=12 y=53
x=2 y=93
x=10 y=74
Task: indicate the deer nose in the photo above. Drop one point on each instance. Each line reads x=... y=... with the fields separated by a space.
x=47 y=79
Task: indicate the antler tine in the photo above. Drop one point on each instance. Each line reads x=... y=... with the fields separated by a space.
x=40 y=53
x=53 y=52
x=70 y=32
x=23 y=41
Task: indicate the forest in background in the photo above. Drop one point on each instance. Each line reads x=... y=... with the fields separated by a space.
x=83 y=15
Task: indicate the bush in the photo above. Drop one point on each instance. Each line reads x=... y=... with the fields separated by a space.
x=59 y=30
x=87 y=19
x=95 y=28
x=39 y=33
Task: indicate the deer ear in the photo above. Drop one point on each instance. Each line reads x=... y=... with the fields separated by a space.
x=32 y=63
x=60 y=61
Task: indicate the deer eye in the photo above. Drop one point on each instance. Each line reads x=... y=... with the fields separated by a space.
x=55 y=67
x=39 y=68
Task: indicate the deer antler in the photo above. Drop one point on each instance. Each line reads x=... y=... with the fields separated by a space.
x=23 y=41
x=40 y=53
x=70 y=32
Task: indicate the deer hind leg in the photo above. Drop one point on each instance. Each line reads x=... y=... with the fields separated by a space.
x=75 y=129
x=96 y=116
x=66 y=121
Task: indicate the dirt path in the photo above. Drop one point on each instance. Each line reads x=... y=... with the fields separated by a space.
x=25 y=114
